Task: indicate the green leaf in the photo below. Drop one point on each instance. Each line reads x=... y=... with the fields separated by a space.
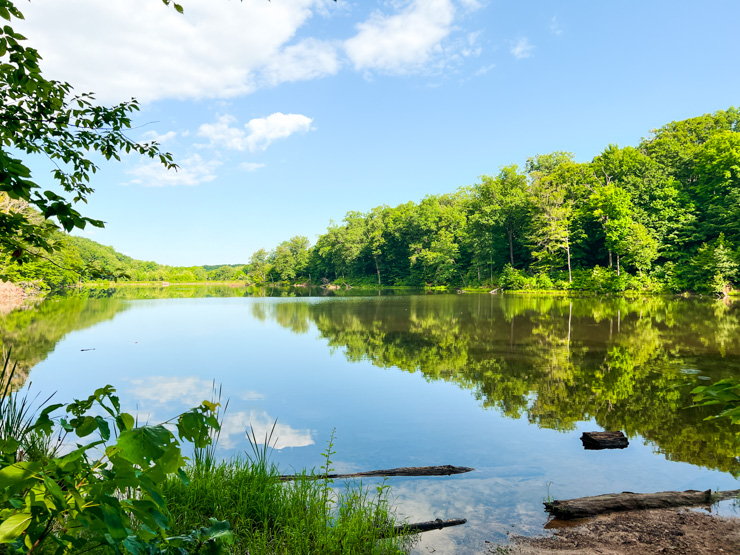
x=125 y=421
x=17 y=473
x=9 y=445
x=103 y=427
x=14 y=526
x=86 y=427
x=54 y=489
x=144 y=445
x=111 y=509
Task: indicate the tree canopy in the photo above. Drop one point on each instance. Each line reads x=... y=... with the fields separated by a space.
x=40 y=117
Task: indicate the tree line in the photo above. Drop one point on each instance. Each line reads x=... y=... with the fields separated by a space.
x=661 y=216
x=664 y=215
x=77 y=259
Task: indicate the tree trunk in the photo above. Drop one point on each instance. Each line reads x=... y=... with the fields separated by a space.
x=570 y=320
x=511 y=247
x=617 y=264
x=377 y=268
x=627 y=501
x=567 y=250
x=610 y=258
x=604 y=440
x=445 y=470
x=417 y=527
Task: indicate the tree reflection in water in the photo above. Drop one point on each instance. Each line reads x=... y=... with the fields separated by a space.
x=627 y=364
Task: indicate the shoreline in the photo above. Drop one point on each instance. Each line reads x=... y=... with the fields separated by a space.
x=679 y=531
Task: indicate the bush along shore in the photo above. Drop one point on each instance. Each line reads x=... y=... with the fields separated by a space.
x=83 y=477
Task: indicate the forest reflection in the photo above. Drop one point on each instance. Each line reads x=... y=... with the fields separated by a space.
x=627 y=364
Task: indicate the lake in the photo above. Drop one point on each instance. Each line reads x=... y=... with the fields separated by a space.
x=502 y=383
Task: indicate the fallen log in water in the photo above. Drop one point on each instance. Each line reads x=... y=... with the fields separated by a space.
x=628 y=501
x=417 y=527
x=604 y=440
x=445 y=470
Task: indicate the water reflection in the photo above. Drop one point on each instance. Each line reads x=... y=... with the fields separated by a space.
x=186 y=391
x=31 y=333
x=263 y=425
x=627 y=364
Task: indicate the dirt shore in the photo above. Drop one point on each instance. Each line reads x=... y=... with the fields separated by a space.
x=11 y=296
x=678 y=531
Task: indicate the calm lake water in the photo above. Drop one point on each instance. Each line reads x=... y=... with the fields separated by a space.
x=504 y=384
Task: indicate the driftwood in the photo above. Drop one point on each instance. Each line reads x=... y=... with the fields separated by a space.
x=417 y=527
x=604 y=440
x=628 y=501
x=445 y=470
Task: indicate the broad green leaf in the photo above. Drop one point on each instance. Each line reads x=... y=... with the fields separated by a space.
x=17 y=473
x=103 y=427
x=9 y=445
x=145 y=444
x=111 y=509
x=54 y=489
x=14 y=526
x=125 y=421
x=86 y=427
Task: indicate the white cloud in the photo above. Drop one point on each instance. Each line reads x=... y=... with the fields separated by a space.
x=309 y=59
x=522 y=49
x=402 y=42
x=144 y=49
x=257 y=134
x=484 y=69
x=251 y=166
x=160 y=138
x=193 y=170
x=226 y=49
x=555 y=27
x=222 y=134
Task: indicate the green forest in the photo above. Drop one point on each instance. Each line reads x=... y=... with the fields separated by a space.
x=663 y=216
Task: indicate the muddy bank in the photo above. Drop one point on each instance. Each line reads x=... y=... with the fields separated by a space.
x=679 y=531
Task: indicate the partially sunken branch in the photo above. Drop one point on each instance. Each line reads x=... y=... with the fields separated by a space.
x=445 y=470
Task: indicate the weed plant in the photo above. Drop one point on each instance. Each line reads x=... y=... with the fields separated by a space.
x=269 y=516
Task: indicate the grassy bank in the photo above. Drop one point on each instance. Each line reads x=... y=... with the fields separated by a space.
x=269 y=516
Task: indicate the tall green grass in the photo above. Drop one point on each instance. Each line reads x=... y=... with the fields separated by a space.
x=17 y=415
x=269 y=516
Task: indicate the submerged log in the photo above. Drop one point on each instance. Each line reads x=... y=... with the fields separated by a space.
x=604 y=440
x=628 y=501
x=445 y=470
x=417 y=527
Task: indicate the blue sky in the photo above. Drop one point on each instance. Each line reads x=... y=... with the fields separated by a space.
x=284 y=115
